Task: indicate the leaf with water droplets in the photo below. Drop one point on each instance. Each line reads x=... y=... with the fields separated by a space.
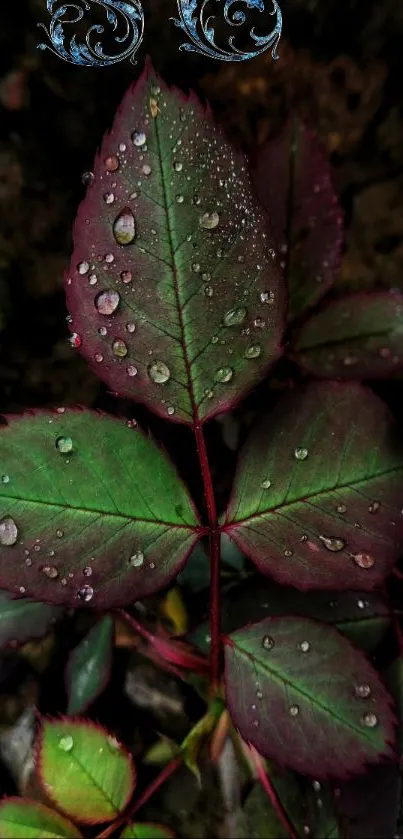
x=147 y=830
x=333 y=518
x=292 y=180
x=357 y=337
x=104 y=524
x=23 y=619
x=21 y=818
x=301 y=708
x=89 y=667
x=84 y=770
x=176 y=300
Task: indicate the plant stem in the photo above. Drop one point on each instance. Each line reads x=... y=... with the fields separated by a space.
x=270 y=791
x=214 y=554
x=166 y=773
x=172 y=651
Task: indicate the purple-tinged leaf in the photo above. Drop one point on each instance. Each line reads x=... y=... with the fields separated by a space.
x=175 y=297
x=369 y=806
x=262 y=819
x=292 y=180
x=21 y=818
x=22 y=619
x=357 y=337
x=304 y=696
x=84 y=770
x=89 y=667
x=317 y=498
x=93 y=513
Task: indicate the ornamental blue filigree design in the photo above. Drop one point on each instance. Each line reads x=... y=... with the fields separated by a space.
x=196 y=21
x=127 y=17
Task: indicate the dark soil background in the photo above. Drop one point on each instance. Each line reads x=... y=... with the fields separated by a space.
x=340 y=68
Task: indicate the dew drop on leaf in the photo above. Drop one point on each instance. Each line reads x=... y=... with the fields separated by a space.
x=374 y=507
x=51 y=572
x=109 y=258
x=267 y=642
x=254 y=351
x=85 y=593
x=224 y=375
x=59 y=534
x=209 y=220
x=255 y=723
x=234 y=317
x=179 y=198
x=259 y=323
x=178 y=166
x=75 y=340
x=64 y=445
x=112 y=163
x=137 y=559
x=87 y=178
x=124 y=227
x=266 y=484
x=87 y=571
x=305 y=646
x=138 y=138
x=159 y=372
x=333 y=543
x=170 y=410
x=259 y=694
x=8 y=532
x=5 y=479
x=106 y=302
x=146 y=169
x=83 y=268
x=364 y=560
x=109 y=197
x=132 y=370
x=362 y=691
x=369 y=719
x=341 y=508
x=119 y=348
x=196 y=267
x=300 y=453
x=317 y=786
x=93 y=279
x=267 y=297
x=98 y=357
x=294 y=710
x=208 y=291
x=126 y=277
x=66 y=743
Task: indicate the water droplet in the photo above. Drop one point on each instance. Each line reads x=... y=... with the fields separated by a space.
x=170 y=410
x=209 y=220
x=102 y=330
x=288 y=553
x=137 y=559
x=93 y=279
x=224 y=374
x=234 y=317
x=146 y=169
x=109 y=197
x=5 y=479
x=374 y=507
x=64 y=445
x=159 y=372
x=268 y=642
x=364 y=560
x=196 y=267
x=119 y=348
x=60 y=534
x=254 y=351
x=138 y=138
x=266 y=484
x=85 y=593
x=208 y=291
x=112 y=163
x=75 y=340
x=179 y=198
x=255 y=723
x=98 y=357
x=109 y=258
x=87 y=178
x=341 y=508
x=317 y=786
x=259 y=694
x=362 y=691
x=259 y=323
x=126 y=277
x=132 y=371
x=333 y=543
x=8 y=532
x=83 y=268
x=50 y=571
x=113 y=743
x=178 y=166
x=294 y=710
x=305 y=646
x=369 y=719
x=106 y=302
x=301 y=453
x=66 y=743
x=267 y=297
x=87 y=571
x=124 y=227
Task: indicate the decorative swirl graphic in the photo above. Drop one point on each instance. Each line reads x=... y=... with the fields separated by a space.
x=195 y=22
x=90 y=52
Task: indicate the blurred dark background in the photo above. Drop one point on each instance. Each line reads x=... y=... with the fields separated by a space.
x=340 y=67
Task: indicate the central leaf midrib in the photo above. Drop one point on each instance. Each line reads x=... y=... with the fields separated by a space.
x=94 y=782
x=91 y=510
x=283 y=681
x=183 y=342
x=381 y=333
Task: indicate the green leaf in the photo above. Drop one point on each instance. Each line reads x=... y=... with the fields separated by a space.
x=317 y=496
x=263 y=822
x=23 y=619
x=304 y=696
x=357 y=337
x=175 y=295
x=84 y=770
x=89 y=667
x=196 y=573
x=146 y=830
x=21 y=818
x=93 y=513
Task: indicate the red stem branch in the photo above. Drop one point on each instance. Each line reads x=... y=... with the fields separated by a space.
x=271 y=793
x=166 y=773
x=172 y=651
x=214 y=554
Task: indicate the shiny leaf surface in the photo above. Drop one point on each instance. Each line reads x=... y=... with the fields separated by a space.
x=89 y=666
x=23 y=619
x=24 y=819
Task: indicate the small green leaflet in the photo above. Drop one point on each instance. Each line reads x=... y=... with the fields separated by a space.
x=146 y=830
x=84 y=770
x=21 y=818
x=23 y=619
x=317 y=497
x=305 y=697
x=89 y=666
x=93 y=513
